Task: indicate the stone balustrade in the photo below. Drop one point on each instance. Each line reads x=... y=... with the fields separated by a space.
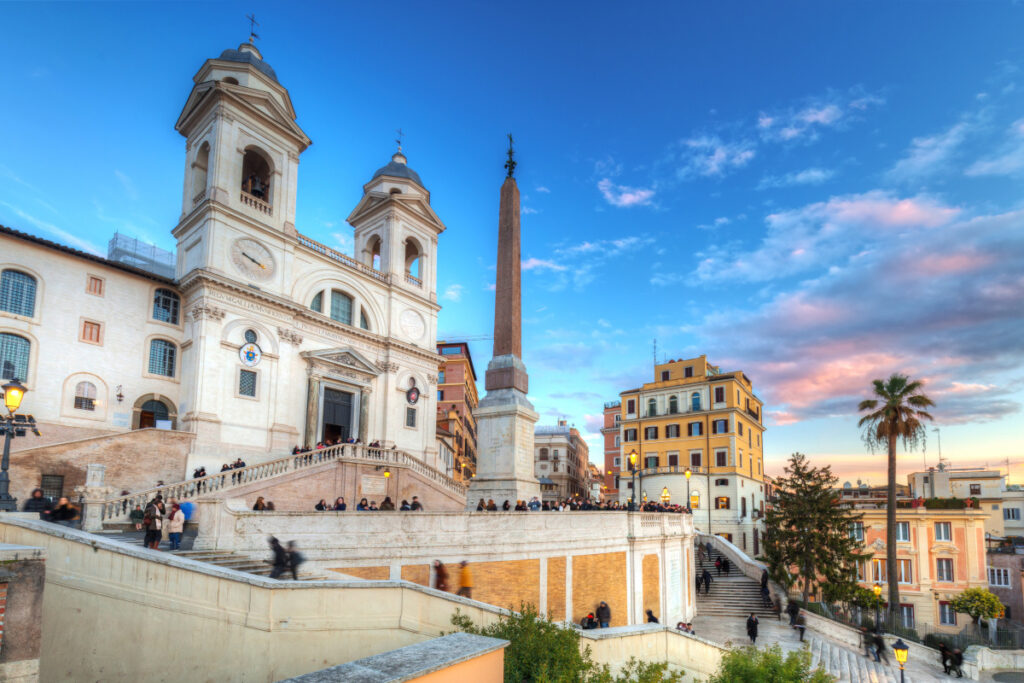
x=256 y=203
x=342 y=258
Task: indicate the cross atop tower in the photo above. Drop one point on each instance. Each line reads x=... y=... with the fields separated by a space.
x=398 y=140
x=252 y=27
x=510 y=165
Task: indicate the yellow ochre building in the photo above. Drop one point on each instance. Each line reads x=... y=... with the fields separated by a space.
x=694 y=417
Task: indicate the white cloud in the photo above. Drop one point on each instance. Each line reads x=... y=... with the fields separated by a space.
x=710 y=156
x=453 y=293
x=1010 y=159
x=540 y=264
x=527 y=210
x=808 y=176
x=344 y=242
x=543 y=189
x=623 y=196
x=719 y=222
x=128 y=185
x=806 y=121
x=490 y=287
x=57 y=232
x=603 y=323
x=929 y=155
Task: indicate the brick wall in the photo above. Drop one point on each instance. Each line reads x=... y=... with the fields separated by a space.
x=652 y=588
x=417 y=573
x=369 y=573
x=599 y=577
x=556 y=588
x=503 y=584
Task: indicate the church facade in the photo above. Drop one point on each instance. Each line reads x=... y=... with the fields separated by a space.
x=264 y=339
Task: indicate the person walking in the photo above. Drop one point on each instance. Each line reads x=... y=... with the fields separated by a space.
x=295 y=559
x=956 y=662
x=752 y=628
x=792 y=609
x=651 y=619
x=465 y=580
x=764 y=579
x=725 y=565
x=38 y=503
x=280 y=561
x=175 y=526
x=801 y=625
x=700 y=580
x=880 y=648
x=604 y=614
x=153 y=523
x=945 y=656
x=866 y=640
x=766 y=597
x=707 y=581
x=718 y=565
x=440 y=576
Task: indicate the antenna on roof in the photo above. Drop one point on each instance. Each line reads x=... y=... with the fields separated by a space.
x=252 y=27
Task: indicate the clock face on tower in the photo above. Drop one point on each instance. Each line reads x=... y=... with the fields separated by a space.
x=252 y=259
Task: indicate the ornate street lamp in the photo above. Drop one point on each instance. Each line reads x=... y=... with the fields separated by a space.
x=632 y=494
x=11 y=426
x=901 y=650
x=688 y=473
x=665 y=496
x=877 y=590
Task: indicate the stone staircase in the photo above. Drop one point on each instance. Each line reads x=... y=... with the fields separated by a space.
x=850 y=666
x=229 y=560
x=730 y=596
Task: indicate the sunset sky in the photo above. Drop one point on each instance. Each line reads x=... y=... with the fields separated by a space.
x=817 y=194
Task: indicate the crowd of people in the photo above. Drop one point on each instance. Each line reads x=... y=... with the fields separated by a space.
x=160 y=519
x=386 y=505
x=63 y=513
x=574 y=504
x=328 y=443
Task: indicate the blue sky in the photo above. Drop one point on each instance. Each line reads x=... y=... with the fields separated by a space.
x=816 y=193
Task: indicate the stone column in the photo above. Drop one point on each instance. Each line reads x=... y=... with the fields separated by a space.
x=94 y=495
x=364 y=413
x=312 y=410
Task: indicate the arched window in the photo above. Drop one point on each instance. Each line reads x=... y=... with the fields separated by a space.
x=256 y=175
x=165 y=306
x=14 y=354
x=673 y=405
x=341 y=307
x=85 y=396
x=250 y=337
x=371 y=255
x=695 y=401
x=18 y=293
x=317 y=304
x=413 y=260
x=162 y=357
x=151 y=412
x=200 y=169
x=543 y=454
x=363 y=323
x=652 y=407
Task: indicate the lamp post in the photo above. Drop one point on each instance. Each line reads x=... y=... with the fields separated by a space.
x=632 y=493
x=877 y=590
x=688 y=473
x=12 y=426
x=901 y=650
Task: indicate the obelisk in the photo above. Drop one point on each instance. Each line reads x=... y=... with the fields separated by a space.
x=505 y=418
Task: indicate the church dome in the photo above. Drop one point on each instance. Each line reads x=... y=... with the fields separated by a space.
x=399 y=169
x=248 y=54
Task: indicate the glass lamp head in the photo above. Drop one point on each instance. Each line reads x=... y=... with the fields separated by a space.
x=901 y=651
x=14 y=391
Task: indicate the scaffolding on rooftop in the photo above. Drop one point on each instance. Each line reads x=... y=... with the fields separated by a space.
x=142 y=255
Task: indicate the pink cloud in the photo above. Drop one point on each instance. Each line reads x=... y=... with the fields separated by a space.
x=623 y=196
x=880 y=209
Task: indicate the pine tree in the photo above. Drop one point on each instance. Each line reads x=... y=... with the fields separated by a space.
x=809 y=534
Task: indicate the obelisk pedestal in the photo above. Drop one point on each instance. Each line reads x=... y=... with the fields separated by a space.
x=505 y=418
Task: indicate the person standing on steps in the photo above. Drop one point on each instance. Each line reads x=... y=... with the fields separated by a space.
x=604 y=614
x=175 y=526
x=800 y=626
x=700 y=580
x=764 y=579
x=752 y=628
x=718 y=565
x=707 y=581
x=792 y=609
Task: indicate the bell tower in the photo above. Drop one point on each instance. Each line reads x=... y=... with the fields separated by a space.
x=241 y=170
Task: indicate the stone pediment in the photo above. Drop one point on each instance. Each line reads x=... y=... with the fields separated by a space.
x=345 y=359
x=255 y=101
x=414 y=205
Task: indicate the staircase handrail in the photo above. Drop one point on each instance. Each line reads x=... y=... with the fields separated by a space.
x=119 y=508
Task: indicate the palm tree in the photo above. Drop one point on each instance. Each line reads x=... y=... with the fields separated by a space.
x=896 y=414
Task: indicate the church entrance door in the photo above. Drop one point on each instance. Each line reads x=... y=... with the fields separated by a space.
x=337 y=415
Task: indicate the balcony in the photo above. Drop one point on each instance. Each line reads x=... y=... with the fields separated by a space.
x=413 y=280
x=256 y=203
x=341 y=258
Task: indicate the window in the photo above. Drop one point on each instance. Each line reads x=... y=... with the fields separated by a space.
x=722 y=503
x=860 y=571
x=165 y=306
x=907 y=616
x=256 y=175
x=162 y=357
x=91 y=332
x=672 y=431
x=695 y=429
x=616 y=461
x=688 y=371
x=947 y=617
x=673 y=405
x=543 y=454
x=14 y=353
x=451 y=350
x=857 y=530
x=944 y=570
x=652 y=407
x=1011 y=513
x=739 y=455
x=631 y=406
x=903 y=532
x=18 y=293
x=341 y=307
x=975 y=489
x=999 y=577
x=650 y=432
x=651 y=460
x=673 y=460
x=878 y=574
x=250 y=336
x=440 y=377
x=942 y=531
x=52 y=486
x=629 y=434
x=85 y=396
x=695 y=499
x=720 y=427
x=721 y=482
x=695 y=459
x=554 y=454
x=617 y=442
x=317 y=304
x=719 y=394
x=664 y=375
x=94 y=285
x=363 y=322
x=618 y=419
x=722 y=458
x=247 y=383
x=695 y=401
x=410 y=417
x=905 y=570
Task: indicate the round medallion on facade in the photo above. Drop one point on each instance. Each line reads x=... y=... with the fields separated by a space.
x=252 y=259
x=250 y=354
x=412 y=324
x=412 y=396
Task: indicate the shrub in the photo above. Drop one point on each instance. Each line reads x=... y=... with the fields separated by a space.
x=749 y=664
